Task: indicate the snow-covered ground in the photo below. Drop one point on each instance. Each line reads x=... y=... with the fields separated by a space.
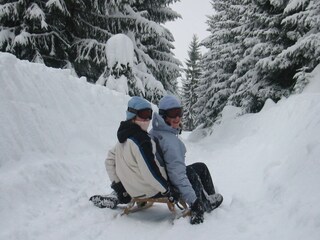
x=55 y=131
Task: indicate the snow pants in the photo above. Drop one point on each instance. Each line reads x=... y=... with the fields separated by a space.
x=201 y=181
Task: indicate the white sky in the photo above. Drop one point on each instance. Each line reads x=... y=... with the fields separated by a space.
x=193 y=21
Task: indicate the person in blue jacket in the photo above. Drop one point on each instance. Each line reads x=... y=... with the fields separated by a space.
x=193 y=182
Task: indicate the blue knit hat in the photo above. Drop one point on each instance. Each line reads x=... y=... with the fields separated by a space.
x=137 y=103
x=168 y=102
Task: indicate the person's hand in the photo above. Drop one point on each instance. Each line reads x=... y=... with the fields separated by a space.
x=172 y=194
x=197 y=212
x=121 y=192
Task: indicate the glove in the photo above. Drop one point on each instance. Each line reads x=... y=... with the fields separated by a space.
x=197 y=212
x=172 y=194
x=121 y=192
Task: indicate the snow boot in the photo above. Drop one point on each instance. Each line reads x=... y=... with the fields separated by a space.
x=215 y=201
x=105 y=201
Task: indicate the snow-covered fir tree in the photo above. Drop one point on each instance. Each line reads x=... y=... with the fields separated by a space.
x=27 y=32
x=190 y=84
x=258 y=49
x=301 y=22
x=275 y=58
x=263 y=39
x=74 y=33
x=158 y=45
x=219 y=62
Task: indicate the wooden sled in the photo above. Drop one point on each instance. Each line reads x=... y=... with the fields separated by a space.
x=138 y=204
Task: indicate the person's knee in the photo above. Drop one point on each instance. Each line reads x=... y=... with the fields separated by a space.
x=200 y=166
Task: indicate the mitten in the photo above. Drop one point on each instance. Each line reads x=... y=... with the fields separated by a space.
x=122 y=194
x=197 y=212
x=172 y=194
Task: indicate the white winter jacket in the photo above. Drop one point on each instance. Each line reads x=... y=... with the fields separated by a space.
x=132 y=161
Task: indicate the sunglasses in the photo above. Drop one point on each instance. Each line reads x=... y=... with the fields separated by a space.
x=172 y=113
x=145 y=113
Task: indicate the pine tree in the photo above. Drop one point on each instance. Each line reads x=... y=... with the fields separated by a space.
x=302 y=26
x=274 y=48
x=220 y=61
x=190 y=83
x=26 y=32
x=282 y=50
x=74 y=33
x=263 y=40
x=158 y=45
x=155 y=65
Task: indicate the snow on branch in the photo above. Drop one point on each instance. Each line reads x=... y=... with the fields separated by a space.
x=34 y=12
x=168 y=66
x=6 y=36
x=278 y=3
x=22 y=39
x=43 y=39
x=97 y=29
x=163 y=56
x=146 y=58
x=87 y=46
x=152 y=86
x=293 y=19
x=119 y=51
x=58 y=4
x=308 y=46
x=147 y=25
x=294 y=5
x=9 y=10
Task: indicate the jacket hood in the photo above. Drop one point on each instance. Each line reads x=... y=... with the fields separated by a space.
x=159 y=124
x=127 y=129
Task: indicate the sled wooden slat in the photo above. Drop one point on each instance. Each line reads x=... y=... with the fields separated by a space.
x=138 y=204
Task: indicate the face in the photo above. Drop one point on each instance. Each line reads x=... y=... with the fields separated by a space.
x=142 y=122
x=173 y=117
x=174 y=122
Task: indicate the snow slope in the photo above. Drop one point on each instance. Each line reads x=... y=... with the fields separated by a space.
x=55 y=131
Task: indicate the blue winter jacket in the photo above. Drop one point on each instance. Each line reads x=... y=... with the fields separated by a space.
x=173 y=154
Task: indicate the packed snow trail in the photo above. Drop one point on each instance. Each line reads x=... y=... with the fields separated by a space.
x=56 y=130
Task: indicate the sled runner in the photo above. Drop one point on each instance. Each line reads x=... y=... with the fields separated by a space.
x=138 y=204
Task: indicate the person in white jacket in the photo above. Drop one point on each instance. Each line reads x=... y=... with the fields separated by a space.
x=131 y=164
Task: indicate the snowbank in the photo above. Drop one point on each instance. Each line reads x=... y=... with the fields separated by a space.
x=41 y=106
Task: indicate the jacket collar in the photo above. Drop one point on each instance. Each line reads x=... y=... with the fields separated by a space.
x=127 y=129
x=159 y=124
